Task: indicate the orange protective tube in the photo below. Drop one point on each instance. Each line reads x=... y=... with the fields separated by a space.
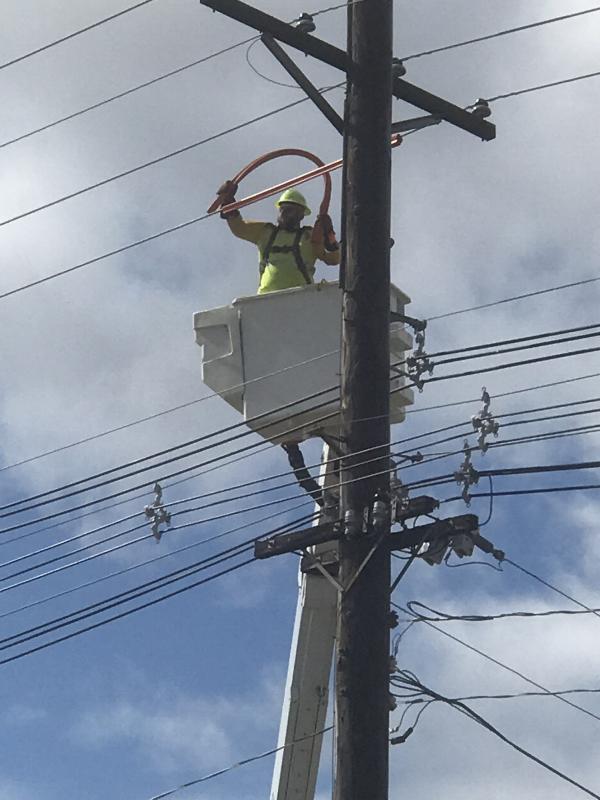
x=322 y=169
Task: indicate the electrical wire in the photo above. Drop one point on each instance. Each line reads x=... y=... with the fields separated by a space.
x=242 y=763
x=145 y=84
x=497 y=34
x=514 y=298
x=293 y=366
x=125 y=93
x=222 y=431
x=158 y=414
x=518 y=340
x=70 y=36
x=307 y=518
x=541 y=86
x=514 y=696
x=548 y=585
x=410 y=680
x=504 y=666
x=442 y=616
x=128 y=612
x=252 y=446
x=132 y=170
x=123 y=614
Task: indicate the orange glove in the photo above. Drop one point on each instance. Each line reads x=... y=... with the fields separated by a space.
x=226 y=194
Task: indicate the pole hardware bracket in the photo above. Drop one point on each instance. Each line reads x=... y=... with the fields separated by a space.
x=466 y=475
x=157 y=513
x=484 y=422
x=415 y=124
x=297 y=540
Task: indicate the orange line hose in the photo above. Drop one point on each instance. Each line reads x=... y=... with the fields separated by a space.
x=321 y=169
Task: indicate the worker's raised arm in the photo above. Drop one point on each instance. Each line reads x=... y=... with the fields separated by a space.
x=243 y=229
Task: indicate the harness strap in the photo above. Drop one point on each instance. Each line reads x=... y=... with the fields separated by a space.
x=294 y=248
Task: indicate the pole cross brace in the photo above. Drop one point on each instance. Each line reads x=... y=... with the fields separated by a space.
x=297 y=540
x=303 y=82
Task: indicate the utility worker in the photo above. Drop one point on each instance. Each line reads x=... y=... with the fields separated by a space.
x=287 y=251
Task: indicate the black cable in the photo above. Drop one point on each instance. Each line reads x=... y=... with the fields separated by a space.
x=145 y=165
x=517 y=348
x=536 y=293
x=567 y=467
x=125 y=93
x=74 y=34
x=515 y=340
x=133 y=594
x=227 y=429
x=420 y=410
x=249 y=447
x=307 y=519
x=514 y=696
x=503 y=665
x=467 y=711
x=550 y=586
x=134 y=462
x=497 y=34
x=441 y=616
x=541 y=86
x=123 y=614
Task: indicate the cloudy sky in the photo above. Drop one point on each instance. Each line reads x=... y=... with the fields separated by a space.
x=194 y=684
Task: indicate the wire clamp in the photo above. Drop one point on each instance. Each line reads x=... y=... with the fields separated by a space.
x=419 y=363
x=157 y=513
x=466 y=475
x=484 y=422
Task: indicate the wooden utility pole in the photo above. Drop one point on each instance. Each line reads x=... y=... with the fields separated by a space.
x=362 y=663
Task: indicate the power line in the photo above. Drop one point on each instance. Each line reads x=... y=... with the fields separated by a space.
x=505 y=32
x=158 y=414
x=307 y=519
x=541 y=86
x=74 y=34
x=244 y=423
x=442 y=616
x=551 y=587
x=508 y=696
x=123 y=614
x=411 y=681
x=516 y=340
x=166 y=411
x=127 y=612
x=503 y=666
x=145 y=84
x=536 y=293
x=125 y=93
x=253 y=446
x=242 y=763
x=153 y=162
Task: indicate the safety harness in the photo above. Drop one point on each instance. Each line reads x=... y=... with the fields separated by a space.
x=293 y=248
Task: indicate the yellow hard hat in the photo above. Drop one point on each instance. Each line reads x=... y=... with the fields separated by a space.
x=294 y=196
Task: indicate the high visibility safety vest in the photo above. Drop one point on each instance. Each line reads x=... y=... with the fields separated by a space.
x=286 y=258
